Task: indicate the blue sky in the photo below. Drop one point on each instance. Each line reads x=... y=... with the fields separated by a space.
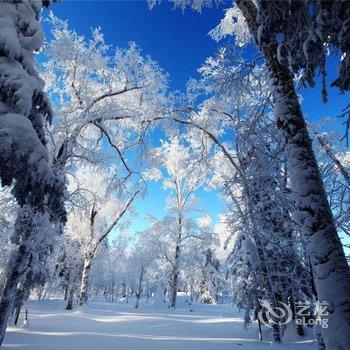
x=178 y=41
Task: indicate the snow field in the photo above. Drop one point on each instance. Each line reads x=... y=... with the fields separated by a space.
x=108 y=326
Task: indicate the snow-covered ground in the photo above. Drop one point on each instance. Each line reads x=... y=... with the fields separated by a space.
x=119 y=325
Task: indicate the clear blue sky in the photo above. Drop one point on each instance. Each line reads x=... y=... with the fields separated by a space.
x=180 y=44
x=177 y=40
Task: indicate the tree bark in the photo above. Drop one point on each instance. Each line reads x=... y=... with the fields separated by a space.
x=84 y=289
x=174 y=278
x=67 y=286
x=19 y=303
x=175 y=272
x=70 y=298
x=139 y=290
x=331 y=271
x=15 y=271
x=270 y=291
x=9 y=291
x=330 y=268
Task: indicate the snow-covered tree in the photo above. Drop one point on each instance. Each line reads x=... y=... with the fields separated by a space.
x=103 y=101
x=333 y=158
x=24 y=160
x=203 y=273
x=102 y=104
x=69 y=262
x=143 y=259
x=182 y=173
x=295 y=37
x=101 y=212
x=303 y=47
x=248 y=168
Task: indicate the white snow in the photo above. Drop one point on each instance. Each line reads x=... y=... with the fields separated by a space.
x=108 y=326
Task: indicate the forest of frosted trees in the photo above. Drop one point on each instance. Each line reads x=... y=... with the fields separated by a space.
x=90 y=129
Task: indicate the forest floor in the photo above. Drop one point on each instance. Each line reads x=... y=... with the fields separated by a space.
x=107 y=326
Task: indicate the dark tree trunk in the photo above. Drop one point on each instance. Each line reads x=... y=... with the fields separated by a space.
x=15 y=271
x=70 y=299
x=19 y=304
x=139 y=289
x=66 y=290
x=175 y=272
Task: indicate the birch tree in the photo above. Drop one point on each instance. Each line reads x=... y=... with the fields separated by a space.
x=235 y=120
x=95 y=222
x=181 y=175
x=101 y=103
x=293 y=38
x=142 y=260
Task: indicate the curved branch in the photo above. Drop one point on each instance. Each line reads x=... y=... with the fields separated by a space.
x=115 y=221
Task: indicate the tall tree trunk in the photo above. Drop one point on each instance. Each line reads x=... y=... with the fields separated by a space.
x=113 y=292
x=70 y=298
x=124 y=290
x=9 y=291
x=174 y=279
x=15 y=272
x=67 y=284
x=270 y=290
x=19 y=303
x=84 y=288
x=139 y=289
x=66 y=290
x=256 y=203
x=331 y=271
x=175 y=272
x=298 y=320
